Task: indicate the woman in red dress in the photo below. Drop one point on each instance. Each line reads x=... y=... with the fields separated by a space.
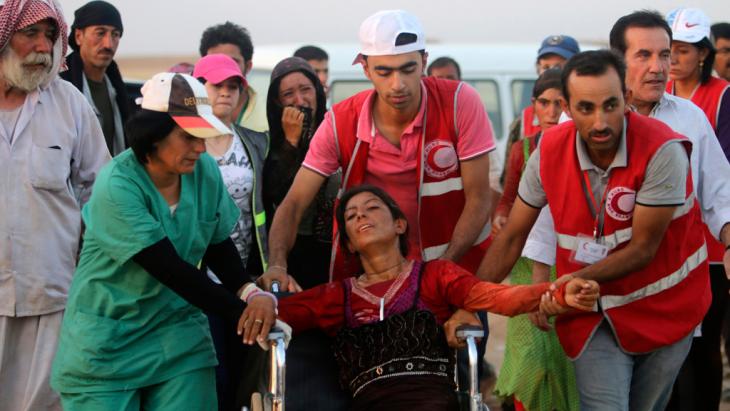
x=387 y=321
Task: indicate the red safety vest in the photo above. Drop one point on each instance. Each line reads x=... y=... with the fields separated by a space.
x=527 y=125
x=707 y=97
x=438 y=177
x=657 y=305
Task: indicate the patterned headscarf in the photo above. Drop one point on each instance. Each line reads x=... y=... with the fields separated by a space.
x=18 y=14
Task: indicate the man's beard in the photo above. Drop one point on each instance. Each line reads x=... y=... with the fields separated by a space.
x=15 y=74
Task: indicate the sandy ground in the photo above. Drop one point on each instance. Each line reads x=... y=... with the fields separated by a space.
x=495 y=354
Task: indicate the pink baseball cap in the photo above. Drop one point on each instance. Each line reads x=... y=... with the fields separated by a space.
x=216 y=68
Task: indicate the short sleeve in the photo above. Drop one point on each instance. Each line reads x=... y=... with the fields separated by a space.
x=322 y=156
x=119 y=220
x=530 y=189
x=542 y=241
x=665 y=181
x=475 y=134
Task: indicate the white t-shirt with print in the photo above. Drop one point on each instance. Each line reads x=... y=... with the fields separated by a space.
x=237 y=172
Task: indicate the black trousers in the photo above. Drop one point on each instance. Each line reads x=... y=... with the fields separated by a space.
x=699 y=384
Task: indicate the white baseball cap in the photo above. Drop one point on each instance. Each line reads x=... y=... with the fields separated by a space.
x=688 y=25
x=185 y=99
x=381 y=34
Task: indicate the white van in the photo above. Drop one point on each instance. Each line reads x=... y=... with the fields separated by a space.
x=503 y=74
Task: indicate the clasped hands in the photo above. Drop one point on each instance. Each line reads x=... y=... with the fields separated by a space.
x=579 y=294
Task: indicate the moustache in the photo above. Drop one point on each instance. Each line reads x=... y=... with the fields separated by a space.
x=604 y=132
x=38 y=58
x=105 y=50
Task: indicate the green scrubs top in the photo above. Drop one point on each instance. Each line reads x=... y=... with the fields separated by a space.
x=122 y=328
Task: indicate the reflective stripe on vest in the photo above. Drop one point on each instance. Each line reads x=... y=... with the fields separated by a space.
x=260 y=219
x=441 y=187
x=618 y=237
x=662 y=284
x=435 y=252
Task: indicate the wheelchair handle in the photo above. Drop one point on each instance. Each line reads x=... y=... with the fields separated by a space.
x=470 y=333
x=278 y=369
x=467 y=331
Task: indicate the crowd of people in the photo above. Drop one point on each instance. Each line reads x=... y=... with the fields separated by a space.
x=139 y=240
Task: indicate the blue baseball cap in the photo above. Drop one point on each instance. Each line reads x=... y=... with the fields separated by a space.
x=562 y=45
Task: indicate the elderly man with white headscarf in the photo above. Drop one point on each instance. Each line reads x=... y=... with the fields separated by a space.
x=51 y=147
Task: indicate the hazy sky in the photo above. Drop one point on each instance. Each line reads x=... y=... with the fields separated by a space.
x=173 y=27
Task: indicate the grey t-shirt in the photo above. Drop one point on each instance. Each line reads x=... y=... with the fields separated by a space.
x=664 y=183
x=103 y=103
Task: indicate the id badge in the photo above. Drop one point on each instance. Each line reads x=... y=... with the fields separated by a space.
x=588 y=251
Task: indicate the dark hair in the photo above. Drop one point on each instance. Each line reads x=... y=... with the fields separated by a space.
x=706 y=69
x=593 y=63
x=550 y=78
x=442 y=62
x=311 y=53
x=145 y=129
x=227 y=33
x=644 y=19
x=395 y=211
x=720 y=31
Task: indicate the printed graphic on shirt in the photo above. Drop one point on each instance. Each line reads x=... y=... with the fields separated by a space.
x=441 y=158
x=237 y=172
x=620 y=203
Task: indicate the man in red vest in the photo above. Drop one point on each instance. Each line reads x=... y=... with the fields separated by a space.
x=422 y=139
x=620 y=193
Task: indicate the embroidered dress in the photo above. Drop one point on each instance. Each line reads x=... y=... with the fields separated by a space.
x=410 y=333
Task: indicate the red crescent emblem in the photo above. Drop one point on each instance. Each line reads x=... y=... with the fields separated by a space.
x=432 y=158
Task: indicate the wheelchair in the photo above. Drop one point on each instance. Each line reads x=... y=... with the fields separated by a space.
x=275 y=398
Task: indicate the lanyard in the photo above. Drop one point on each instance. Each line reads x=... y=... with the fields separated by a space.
x=596 y=209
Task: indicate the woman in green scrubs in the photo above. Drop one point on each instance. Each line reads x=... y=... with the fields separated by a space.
x=134 y=336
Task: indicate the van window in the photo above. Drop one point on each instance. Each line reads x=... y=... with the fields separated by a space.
x=259 y=81
x=489 y=93
x=521 y=94
x=343 y=89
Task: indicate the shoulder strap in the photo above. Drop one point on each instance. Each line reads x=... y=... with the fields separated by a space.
x=525 y=152
x=420 y=266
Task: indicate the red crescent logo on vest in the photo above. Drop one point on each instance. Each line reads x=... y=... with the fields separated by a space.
x=440 y=158
x=620 y=203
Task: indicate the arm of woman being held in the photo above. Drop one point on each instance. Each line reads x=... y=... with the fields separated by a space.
x=569 y=293
x=161 y=261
